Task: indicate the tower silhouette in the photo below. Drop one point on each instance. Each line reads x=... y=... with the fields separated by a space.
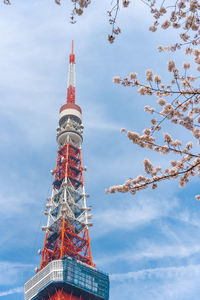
x=66 y=270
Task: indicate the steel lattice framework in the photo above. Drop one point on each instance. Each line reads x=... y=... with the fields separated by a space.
x=67 y=227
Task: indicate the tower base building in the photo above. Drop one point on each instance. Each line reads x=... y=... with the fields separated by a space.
x=70 y=279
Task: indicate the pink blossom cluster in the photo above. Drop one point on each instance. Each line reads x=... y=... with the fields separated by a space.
x=79 y=6
x=183 y=111
x=183 y=14
x=182 y=169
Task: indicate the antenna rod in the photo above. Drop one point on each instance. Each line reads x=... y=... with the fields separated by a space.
x=71 y=77
x=72 y=56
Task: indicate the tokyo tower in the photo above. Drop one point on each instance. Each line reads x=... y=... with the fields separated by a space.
x=66 y=270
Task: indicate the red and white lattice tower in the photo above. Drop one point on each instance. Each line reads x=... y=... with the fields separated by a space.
x=66 y=270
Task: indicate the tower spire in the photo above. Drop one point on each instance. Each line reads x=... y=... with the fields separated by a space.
x=71 y=78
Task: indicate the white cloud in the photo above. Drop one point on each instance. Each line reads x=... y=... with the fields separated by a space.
x=12 y=272
x=161 y=273
x=14 y=205
x=177 y=251
x=12 y=291
x=174 y=283
x=149 y=251
x=128 y=216
x=189 y=217
x=96 y=117
x=103 y=125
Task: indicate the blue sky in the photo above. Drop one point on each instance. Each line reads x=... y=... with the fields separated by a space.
x=149 y=243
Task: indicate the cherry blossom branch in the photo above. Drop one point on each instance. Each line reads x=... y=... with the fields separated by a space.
x=182 y=108
x=185 y=11
x=113 y=14
x=146 y=141
x=134 y=185
x=78 y=7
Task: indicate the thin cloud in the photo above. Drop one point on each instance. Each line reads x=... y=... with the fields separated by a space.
x=189 y=217
x=151 y=252
x=139 y=213
x=12 y=291
x=160 y=273
x=180 y=283
x=177 y=251
x=103 y=125
x=11 y=272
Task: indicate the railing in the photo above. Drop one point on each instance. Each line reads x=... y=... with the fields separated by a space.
x=52 y=272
